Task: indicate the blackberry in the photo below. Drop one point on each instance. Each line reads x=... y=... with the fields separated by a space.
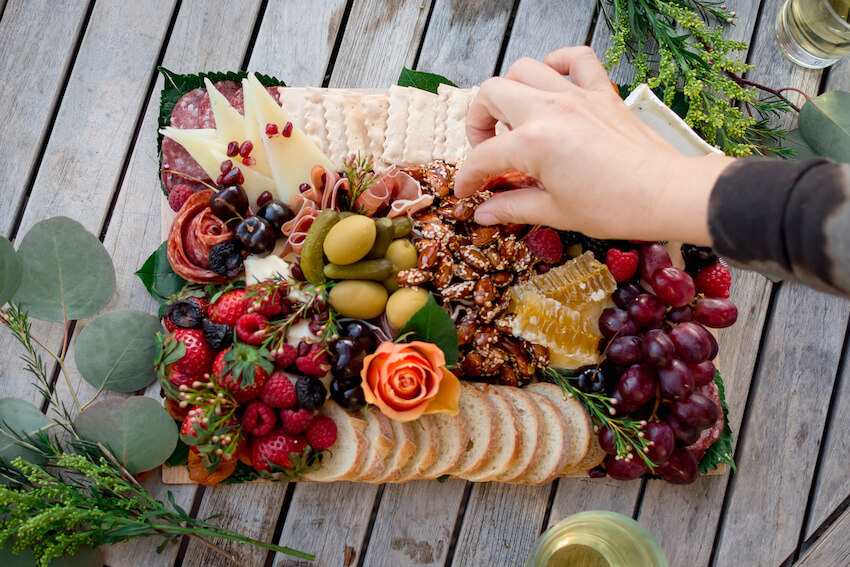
x=311 y=392
x=218 y=335
x=226 y=258
x=697 y=257
x=185 y=314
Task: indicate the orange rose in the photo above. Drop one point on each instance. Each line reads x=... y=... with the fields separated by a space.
x=409 y=379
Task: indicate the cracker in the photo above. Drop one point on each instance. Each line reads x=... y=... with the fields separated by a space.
x=457 y=146
x=335 y=124
x=443 y=91
x=375 y=108
x=357 y=137
x=396 y=131
x=293 y=102
x=421 y=122
x=314 y=117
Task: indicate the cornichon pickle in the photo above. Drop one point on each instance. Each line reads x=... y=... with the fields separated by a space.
x=402 y=226
x=378 y=270
x=385 y=232
x=345 y=214
x=312 y=255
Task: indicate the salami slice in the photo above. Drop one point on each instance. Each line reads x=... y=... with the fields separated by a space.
x=237 y=101
x=206 y=119
x=193 y=234
x=712 y=434
x=179 y=167
x=187 y=110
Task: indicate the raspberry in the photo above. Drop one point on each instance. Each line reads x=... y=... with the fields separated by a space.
x=321 y=434
x=714 y=280
x=546 y=245
x=285 y=356
x=259 y=418
x=178 y=195
x=314 y=362
x=279 y=392
x=266 y=300
x=295 y=421
x=251 y=328
x=275 y=448
x=228 y=308
x=622 y=264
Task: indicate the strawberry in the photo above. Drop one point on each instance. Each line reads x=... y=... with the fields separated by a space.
x=295 y=421
x=321 y=433
x=275 y=448
x=279 y=392
x=259 y=418
x=228 y=308
x=546 y=245
x=188 y=434
x=195 y=361
x=314 y=362
x=242 y=370
x=714 y=280
x=251 y=328
x=178 y=195
x=622 y=263
x=285 y=356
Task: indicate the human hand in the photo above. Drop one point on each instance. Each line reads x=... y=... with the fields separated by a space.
x=605 y=172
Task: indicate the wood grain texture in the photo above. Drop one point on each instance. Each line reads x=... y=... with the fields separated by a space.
x=381 y=37
x=575 y=495
x=833 y=547
x=414 y=524
x=34 y=79
x=464 y=36
x=295 y=40
x=691 y=513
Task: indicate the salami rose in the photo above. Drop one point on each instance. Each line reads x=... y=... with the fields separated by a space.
x=194 y=232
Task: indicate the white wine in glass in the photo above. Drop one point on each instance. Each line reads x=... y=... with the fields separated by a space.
x=814 y=33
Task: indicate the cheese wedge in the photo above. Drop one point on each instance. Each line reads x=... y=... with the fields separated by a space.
x=229 y=124
x=199 y=143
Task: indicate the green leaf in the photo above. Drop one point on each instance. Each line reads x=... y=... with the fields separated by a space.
x=421 y=80
x=180 y=456
x=84 y=557
x=432 y=325
x=137 y=431
x=20 y=419
x=824 y=124
x=158 y=277
x=11 y=269
x=117 y=351
x=67 y=272
x=794 y=140
x=721 y=450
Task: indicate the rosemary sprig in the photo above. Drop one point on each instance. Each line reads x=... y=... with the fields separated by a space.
x=628 y=433
x=314 y=299
x=361 y=175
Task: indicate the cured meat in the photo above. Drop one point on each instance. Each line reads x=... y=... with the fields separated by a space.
x=397 y=191
x=509 y=180
x=193 y=233
x=179 y=167
x=237 y=101
x=187 y=110
x=712 y=434
x=205 y=115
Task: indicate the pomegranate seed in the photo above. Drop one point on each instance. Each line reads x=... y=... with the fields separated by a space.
x=249 y=161
x=219 y=180
x=226 y=166
x=264 y=198
x=245 y=148
x=240 y=178
x=287 y=130
x=271 y=129
x=231 y=176
x=304 y=187
x=232 y=148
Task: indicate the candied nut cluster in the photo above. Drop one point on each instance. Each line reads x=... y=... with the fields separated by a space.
x=471 y=267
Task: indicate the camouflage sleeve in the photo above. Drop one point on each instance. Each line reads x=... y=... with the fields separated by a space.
x=786 y=218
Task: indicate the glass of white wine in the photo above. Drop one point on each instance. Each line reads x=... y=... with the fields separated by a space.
x=814 y=33
x=597 y=539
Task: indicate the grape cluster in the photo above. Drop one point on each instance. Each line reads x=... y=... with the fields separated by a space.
x=355 y=342
x=658 y=353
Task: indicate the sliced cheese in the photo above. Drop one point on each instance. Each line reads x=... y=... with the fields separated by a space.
x=255 y=182
x=199 y=143
x=292 y=158
x=229 y=124
x=254 y=132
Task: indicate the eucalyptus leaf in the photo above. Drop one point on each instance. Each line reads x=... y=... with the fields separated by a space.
x=422 y=80
x=11 y=269
x=158 y=277
x=137 y=431
x=433 y=325
x=824 y=124
x=117 y=350
x=84 y=557
x=795 y=141
x=20 y=419
x=67 y=272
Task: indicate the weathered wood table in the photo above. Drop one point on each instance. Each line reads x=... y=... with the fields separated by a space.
x=80 y=96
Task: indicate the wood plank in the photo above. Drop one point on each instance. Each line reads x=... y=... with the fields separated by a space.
x=575 y=495
x=833 y=548
x=381 y=37
x=464 y=37
x=415 y=523
x=34 y=80
x=295 y=40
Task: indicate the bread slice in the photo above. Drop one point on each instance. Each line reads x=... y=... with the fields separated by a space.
x=574 y=415
x=531 y=425
x=347 y=455
x=427 y=448
x=481 y=418
x=453 y=435
x=552 y=455
x=404 y=448
x=508 y=442
x=379 y=434
x=594 y=457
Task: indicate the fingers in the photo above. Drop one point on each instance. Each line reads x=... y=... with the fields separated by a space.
x=582 y=65
x=523 y=206
x=537 y=75
x=498 y=100
x=494 y=155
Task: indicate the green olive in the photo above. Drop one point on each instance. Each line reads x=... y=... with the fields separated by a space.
x=349 y=240
x=403 y=303
x=402 y=253
x=358 y=298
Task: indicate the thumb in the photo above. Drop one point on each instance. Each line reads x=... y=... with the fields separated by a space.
x=522 y=206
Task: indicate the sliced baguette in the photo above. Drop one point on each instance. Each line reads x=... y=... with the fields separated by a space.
x=508 y=442
x=453 y=435
x=594 y=457
x=404 y=448
x=379 y=434
x=531 y=425
x=481 y=418
x=427 y=448
x=552 y=455
x=575 y=417
x=347 y=455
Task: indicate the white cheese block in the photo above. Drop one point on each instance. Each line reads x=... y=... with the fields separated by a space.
x=199 y=144
x=255 y=182
x=262 y=268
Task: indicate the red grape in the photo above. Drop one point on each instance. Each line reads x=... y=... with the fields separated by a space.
x=715 y=312
x=637 y=385
x=674 y=286
x=652 y=257
x=703 y=373
x=606 y=441
x=615 y=322
x=680 y=314
x=625 y=293
x=697 y=411
x=621 y=407
x=662 y=442
x=676 y=381
x=692 y=342
x=626 y=350
x=680 y=468
x=625 y=469
x=647 y=311
x=687 y=435
x=657 y=348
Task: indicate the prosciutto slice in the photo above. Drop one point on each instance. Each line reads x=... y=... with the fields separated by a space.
x=193 y=234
